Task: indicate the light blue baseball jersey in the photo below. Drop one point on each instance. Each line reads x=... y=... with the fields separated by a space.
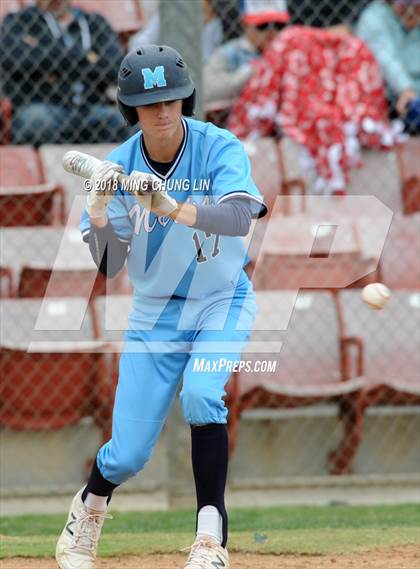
x=170 y=259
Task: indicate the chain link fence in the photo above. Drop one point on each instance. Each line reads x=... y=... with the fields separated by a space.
x=327 y=385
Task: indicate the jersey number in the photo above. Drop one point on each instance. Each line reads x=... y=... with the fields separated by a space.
x=201 y=258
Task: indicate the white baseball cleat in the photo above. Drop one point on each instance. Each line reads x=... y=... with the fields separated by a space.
x=205 y=553
x=76 y=547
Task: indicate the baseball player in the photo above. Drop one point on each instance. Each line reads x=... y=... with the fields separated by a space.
x=179 y=227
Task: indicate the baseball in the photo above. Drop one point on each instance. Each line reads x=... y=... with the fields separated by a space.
x=376 y=295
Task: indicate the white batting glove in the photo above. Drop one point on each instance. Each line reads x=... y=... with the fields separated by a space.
x=150 y=192
x=103 y=186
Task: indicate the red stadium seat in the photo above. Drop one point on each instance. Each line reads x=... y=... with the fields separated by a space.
x=123 y=15
x=20 y=166
x=6 y=274
x=408 y=154
x=25 y=199
x=400 y=260
x=62 y=378
x=311 y=366
x=7 y=6
x=378 y=176
x=5 y=119
x=34 y=282
x=42 y=204
x=299 y=251
x=391 y=361
x=51 y=257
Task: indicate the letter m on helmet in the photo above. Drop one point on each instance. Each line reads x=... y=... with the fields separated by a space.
x=155 y=78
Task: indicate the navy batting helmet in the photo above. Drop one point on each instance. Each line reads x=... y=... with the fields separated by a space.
x=153 y=74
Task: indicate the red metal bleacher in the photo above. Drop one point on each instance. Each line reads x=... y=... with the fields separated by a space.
x=50 y=260
x=20 y=166
x=30 y=205
x=5 y=119
x=8 y=6
x=35 y=282
x=63 y=377
x=408 y=155
x=311 y=367
x=400 y=259
x=6 y=275
x=25 y=197
x=314 y=249
x=124 y=16
x=390 y=338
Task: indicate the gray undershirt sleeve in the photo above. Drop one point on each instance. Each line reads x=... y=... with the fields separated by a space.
x=232 y=217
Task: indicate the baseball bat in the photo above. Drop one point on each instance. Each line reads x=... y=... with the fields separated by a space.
x=83 y=165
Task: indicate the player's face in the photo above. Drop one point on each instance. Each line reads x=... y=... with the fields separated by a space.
x=161 y=120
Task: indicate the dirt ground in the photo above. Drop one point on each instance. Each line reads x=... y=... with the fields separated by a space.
x=400 y=558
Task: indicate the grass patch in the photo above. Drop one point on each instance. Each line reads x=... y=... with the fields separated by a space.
x=305 y=530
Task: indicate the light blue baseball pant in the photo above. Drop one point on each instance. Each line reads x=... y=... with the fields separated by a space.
x=148 y=379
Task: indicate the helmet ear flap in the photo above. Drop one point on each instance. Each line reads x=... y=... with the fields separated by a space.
x=129 y=113
x=188 y=105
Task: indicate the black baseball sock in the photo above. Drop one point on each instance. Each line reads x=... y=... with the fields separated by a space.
x=98 y=485
x=210 y=462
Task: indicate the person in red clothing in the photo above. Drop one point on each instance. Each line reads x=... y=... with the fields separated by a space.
x=322 y=88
